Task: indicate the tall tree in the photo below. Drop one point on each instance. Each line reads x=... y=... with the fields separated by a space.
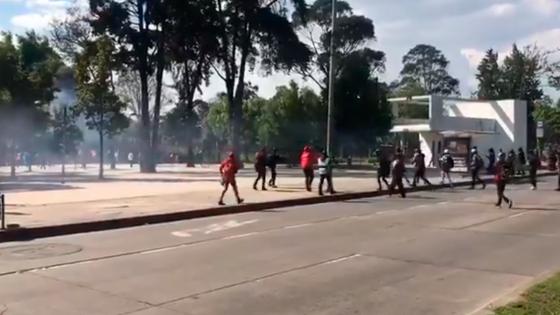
x=249 y=30
x=139 y=27
x=427 y=66
x=489 y=76
x=97 y=101
x=66 y=135
x=27 y=86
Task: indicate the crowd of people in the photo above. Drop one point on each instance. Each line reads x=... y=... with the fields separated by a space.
x=504 y=167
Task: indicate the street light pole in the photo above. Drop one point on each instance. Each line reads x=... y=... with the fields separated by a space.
x=331 y=82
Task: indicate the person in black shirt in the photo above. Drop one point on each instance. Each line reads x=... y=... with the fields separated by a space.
x=521 y=162
x=491 y=156
x=419 y=162
x=383 y=170
x=534 y=165
x=272 y=162
x=476 y=164
x=260 y=168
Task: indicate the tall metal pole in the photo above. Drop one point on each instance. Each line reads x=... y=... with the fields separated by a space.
x=331 y=83
x=64 y=127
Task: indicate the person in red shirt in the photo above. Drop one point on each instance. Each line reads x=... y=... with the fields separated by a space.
x=228 y=169
x=501 y=178
x=307 y=160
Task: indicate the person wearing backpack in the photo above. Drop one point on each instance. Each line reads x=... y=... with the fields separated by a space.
x=228 y=170
x=419 y=161
x=446 y=164
x=476 y=164
x=501 y=178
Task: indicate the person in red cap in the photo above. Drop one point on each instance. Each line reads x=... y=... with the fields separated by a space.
x=228 y=169
x=307 y=160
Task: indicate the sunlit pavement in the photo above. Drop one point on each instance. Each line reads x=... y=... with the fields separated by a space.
x=442 y=252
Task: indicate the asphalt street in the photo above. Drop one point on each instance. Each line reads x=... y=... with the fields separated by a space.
x=441 y=252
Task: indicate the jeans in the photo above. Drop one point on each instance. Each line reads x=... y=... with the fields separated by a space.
x=322 y=179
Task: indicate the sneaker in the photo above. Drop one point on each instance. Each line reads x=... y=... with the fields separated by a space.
x=264 y=188
x=255 y=188
x=510 y=204
x=498 y=206
x=240 y=201
x=221 y=203
x=533 y=188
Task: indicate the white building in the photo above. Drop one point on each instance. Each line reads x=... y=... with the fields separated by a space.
x=459 y=124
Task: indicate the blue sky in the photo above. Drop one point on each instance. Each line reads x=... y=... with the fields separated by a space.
x=462 y=29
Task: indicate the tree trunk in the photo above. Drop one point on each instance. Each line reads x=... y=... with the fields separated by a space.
x=157 y=104
x=146 y=154
x=13 y=160
x=101 y=154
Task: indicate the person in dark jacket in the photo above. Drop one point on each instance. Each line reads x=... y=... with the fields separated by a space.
x=260 y=168
x=419 y=162
x=383 y=170
x=511 y=162
x=521 y=162
x=501 y=177
x=534 y=165
x=491 y=156
x=446 y=163
x=272 y=162
x=476 y=164
x=397 y=172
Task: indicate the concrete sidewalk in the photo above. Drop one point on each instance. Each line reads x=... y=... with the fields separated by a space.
x=38 y=199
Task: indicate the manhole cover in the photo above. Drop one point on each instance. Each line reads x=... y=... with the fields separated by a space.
x=37 y=251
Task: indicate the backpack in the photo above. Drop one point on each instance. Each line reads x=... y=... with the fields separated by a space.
x=449 y=162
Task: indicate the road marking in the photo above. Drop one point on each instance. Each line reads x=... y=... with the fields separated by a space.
x=240 y=236
x=213 y=228
x=297 y=226
x=518 y=215
x=334 y=261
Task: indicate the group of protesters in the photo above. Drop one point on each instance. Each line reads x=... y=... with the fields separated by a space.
x=503 y=166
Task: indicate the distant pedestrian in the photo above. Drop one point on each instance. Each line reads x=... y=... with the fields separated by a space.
x=491 y=156
x=521 y=162
x=419 y=162
x=260 y=168
x=272 y=162
x=307 y=161
x=476 y=164
x=446 y=163
x=511 y=162
x=501 y=177
x=325 y=173
x=383 y=169
x=228 y=170
x=131 y=159
x=397 y=172
x=558 y=168
x=534 y=165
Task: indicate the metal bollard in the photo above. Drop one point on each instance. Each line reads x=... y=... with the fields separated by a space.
x=2 y=212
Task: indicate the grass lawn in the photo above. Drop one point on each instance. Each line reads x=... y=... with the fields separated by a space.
x=542 y=299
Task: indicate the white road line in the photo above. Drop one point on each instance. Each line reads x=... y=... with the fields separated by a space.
x=334 y=261
x=296 y=226
x=518 y=215
x=240 y=236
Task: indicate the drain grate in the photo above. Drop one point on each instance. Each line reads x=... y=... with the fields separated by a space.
x=37 y=251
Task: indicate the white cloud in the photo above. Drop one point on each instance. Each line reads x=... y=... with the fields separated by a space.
x=47 y=4
x=502 y=9
x=545 y=7
x=474 y=56
x=36 y=21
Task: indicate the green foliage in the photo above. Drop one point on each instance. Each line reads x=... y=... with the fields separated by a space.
x=489 y=76
x=66 y=135
x=426 y=66
x=542 y=299
x=522 y=72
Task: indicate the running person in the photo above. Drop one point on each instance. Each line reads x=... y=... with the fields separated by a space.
x=272 y=162
x=228 y=169
x=446 y=164
x=307 y=161
x=260 y=168
x=420 y=168
x=325 y=172
x=475 y=166
x=398 y=169
x=502 y=175
x=383 y=169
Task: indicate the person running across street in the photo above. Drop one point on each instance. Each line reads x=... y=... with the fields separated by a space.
x=272 y=162
x=501 y=177
x=260 y=168
x=397 y=172
x=476 y=164
x=307 y=161
x=383 y=169
x=325 y=172
x=534 y=165
x=446 y=164
x=420 y=168
x=228 y=169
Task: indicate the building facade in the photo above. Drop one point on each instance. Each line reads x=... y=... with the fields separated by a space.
x=460 y=124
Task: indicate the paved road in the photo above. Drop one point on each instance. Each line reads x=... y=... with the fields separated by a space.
x=443 y=252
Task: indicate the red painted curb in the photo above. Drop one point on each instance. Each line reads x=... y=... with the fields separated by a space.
x=101 y=225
